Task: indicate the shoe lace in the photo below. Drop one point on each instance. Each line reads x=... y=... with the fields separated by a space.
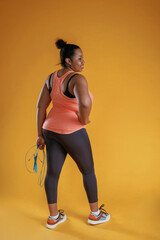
x=61 y=212
x=102 y=209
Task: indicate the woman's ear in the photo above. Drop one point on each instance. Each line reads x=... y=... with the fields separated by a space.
x=68 y=61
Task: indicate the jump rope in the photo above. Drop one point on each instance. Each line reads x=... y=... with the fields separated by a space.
x=36 y=157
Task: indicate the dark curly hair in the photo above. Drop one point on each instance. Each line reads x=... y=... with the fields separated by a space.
x=67 y=50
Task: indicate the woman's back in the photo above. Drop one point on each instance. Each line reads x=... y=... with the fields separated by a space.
x=62 y=118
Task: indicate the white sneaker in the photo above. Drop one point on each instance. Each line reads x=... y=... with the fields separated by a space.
x=52 y=223
x=102 y=217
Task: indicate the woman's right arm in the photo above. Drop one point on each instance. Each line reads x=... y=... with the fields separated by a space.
x=80 y=89
x=42 y=104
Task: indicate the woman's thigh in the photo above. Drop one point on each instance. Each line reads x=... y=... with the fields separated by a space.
x=78 y=146
x=56 y=155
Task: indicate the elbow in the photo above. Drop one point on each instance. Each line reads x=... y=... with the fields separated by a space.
x=43 y=104
x=40 y=107
x=86 y=104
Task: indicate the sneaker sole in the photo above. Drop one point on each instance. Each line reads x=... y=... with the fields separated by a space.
x=53 y=226
x=97 y=222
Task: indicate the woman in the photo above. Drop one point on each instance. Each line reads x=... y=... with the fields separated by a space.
x=64 y=131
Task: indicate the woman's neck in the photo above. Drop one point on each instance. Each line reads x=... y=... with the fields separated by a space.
x=64 y=70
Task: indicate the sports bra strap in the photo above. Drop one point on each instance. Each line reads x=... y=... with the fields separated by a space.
x=50 y=88
x=70 y=79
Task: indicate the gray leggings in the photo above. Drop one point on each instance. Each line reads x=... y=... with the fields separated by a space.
x=77 y=144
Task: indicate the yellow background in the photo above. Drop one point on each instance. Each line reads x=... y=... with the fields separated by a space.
x=120 y=42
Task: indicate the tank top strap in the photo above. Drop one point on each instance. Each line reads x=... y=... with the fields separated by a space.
x=64 y=75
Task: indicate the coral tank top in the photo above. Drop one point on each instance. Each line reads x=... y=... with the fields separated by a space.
x=62 y=117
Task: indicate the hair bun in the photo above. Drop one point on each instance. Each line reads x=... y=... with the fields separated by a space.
x=60 y=43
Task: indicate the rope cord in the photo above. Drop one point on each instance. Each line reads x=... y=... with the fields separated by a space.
x=35 y=155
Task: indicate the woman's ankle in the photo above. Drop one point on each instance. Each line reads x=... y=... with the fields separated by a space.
x=53 y=209
x=94 y=206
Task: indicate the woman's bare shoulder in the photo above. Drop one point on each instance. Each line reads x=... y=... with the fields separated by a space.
x=80 y=75
x=47 y=79
x=80 y=80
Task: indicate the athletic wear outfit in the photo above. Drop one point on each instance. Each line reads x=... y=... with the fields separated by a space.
x=63 y=133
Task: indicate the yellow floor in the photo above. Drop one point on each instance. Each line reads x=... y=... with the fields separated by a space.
x=25 y=220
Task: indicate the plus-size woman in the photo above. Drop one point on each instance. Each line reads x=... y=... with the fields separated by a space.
x=64 y=131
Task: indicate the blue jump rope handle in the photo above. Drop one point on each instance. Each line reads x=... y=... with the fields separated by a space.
x=35 y=162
